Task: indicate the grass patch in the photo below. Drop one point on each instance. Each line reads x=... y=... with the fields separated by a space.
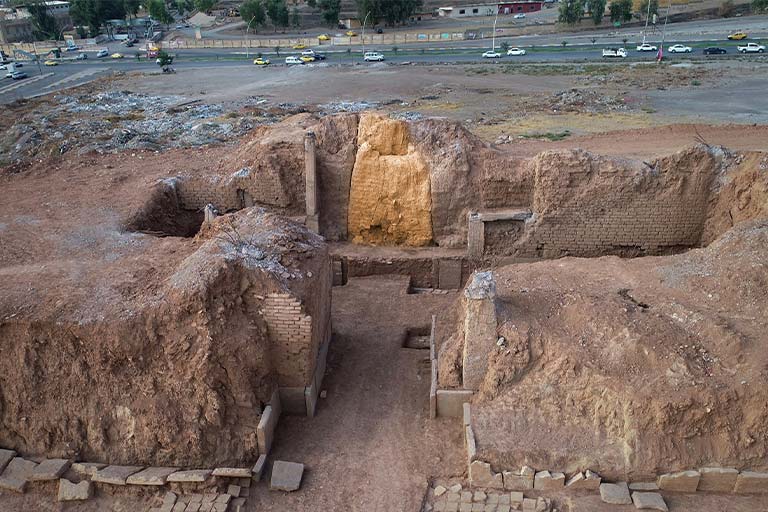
x=550 y=136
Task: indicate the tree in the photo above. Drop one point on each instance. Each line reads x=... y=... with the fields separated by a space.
x=312 y=4
x=643 y=9
x=621 y=10
x=252 y=11
x=330 y=10
x=131 y=7
x=164 y=59
x=597 y=10
x=94 y=13
x=571 y=11
x=760 y=5
x=283 y=15
x=204 y=5
x=158 y=11
x=295 y=18
x=504 y=46
x=44 y=24
x=391 y=11
x=726 y=9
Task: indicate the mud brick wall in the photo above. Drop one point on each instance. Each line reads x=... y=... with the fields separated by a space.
x=196 y=193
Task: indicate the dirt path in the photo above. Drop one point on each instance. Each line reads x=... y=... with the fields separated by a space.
x=371 y=446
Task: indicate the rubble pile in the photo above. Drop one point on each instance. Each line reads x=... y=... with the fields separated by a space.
x=585 y=100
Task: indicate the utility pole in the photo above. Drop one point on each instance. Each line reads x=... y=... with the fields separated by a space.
x=248 y=41
x=494 y=28
x=363 y=31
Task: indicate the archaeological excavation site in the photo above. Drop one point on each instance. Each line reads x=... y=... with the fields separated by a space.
x=357 y=311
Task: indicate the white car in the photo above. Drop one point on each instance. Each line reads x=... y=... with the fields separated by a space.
x=645 y=47
x=515 y=51
x=519 y=16
x=373 y=57
x=615 y=52
x=679 y=48
x=293 y=60
x=751 y=48
x=491 y=54
x=308 y=52
x=102 y=53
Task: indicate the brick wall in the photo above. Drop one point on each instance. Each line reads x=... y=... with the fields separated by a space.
x=290 y=333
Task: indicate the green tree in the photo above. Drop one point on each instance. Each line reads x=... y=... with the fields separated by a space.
x=283 y=15
x=164 y=59
x=597 y=10
x=44 y=23
x=760 y=5
x=312 y=3
x=504 y=46
x=330 y=10
x=94 y=13
x=295 y=18
x=204 y=5
x=131 y=7
x=621 y=10
x=253 y=10
x=158 y=11
x=571 y=11
x=643 y=9
x=391 y=11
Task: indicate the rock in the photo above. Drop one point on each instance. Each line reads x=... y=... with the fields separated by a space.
x=455 y=488
x=13 y=484
x=440 y=490
x=237 y=505
x=466 y=497
x=87 y=468
x=682 y=481
x=717 y=479
x=643 y=486
x=615 y=494
x=546 y=481
x=115 y=475
x=749 y=482
x=234 y=491
x=192 y=475
x=258 y=468
x=649 y=501
x=584 y=481
x=481 y=475
x=529 y=505
x=233 y=472
x=151 y=476
x=482 y=286
x=286 y=476
x=50 y=469
x=479 y=497
x=69 y=491
x=519 y=481
x=16 y=474
x=542 y=504
x=6 y=456
x=516 y=497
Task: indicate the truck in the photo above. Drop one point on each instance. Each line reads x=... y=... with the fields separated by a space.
x=751 y=48
x=614 y=52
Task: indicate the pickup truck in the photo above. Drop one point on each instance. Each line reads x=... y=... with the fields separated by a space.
x=751 y=48
x=615 y=52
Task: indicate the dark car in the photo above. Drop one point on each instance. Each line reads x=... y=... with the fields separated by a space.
x=713 y=50
x=319 y=56
x=18 y=75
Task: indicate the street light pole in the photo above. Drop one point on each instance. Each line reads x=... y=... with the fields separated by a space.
x=494 y=28
x=363 y=34
x=248 y=41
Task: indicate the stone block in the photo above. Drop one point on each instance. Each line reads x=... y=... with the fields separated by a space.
x=191 y=475
x=310 y=399
x=750 y=482
x=519 y=481
x=466 y=497
x=13 y=484
x=450 y=402
x=481 y=475
x=286 y=476
x=588 y=480
x=682 y=481
x=717 y=479
x=529 y=505
x=471 y=445
x=516 y=498
x=69 y=491
x=87 y=468
x=115 y=475
x=233 y=472
x=266 y=429
x=237 y=505
x=643 y=486
x=542 y=504
x=234 y=491
x=50 y=469
x=467 y=413
x=6 y=456
x=479 y=497
x=649 y=501
x=449 y=274
x=150 y=476
x=227 y=497
x=479 y=329
x=615 y=494
x=258 y=468
x=293 y=401
x=546 y=481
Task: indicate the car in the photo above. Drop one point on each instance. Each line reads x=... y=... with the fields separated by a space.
x=129 y=44
x=714 y=50
x=324 y=37
x=379 y=30
x=309 y=52
x=351 y=33
x=2 y=66
x=679 y=48
x=515 y=51
x=179 y=27
x=102 y=53
x=319 y=56
x=307 y=58
x=50 y=62
x=751 y=48
x=18 y=75
x=614 y=52
x=82 y=56
x=491 y=54
x=373 y=57
x=519 y=16
x=737 y=36
x=259 y=61
x=117 y=56
x=645 y=47
x=292 y=59
x=72 y=48
x=299 y=46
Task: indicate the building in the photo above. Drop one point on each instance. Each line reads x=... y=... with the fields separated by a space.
x=16 y=23
x=491 y=9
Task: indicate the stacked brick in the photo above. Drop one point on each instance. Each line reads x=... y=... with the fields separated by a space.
x=290 y=331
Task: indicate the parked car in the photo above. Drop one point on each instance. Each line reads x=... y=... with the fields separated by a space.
x=299 y=46
x=519 y=16
x=102 y=53
x=351 y=33
x=491 y=54
x=373 y=57
x=679 y=48
x=292 y=59
x=309 y=52
x=751 y=48
x=737 y=36
x=72 y=48
x=645 y=47
x=261 y=61
x=615 y=53
x=714 y=50
x=515 y=51
x=324 y=37
x=117 y=56
x=18 y=75
x=50 y=62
